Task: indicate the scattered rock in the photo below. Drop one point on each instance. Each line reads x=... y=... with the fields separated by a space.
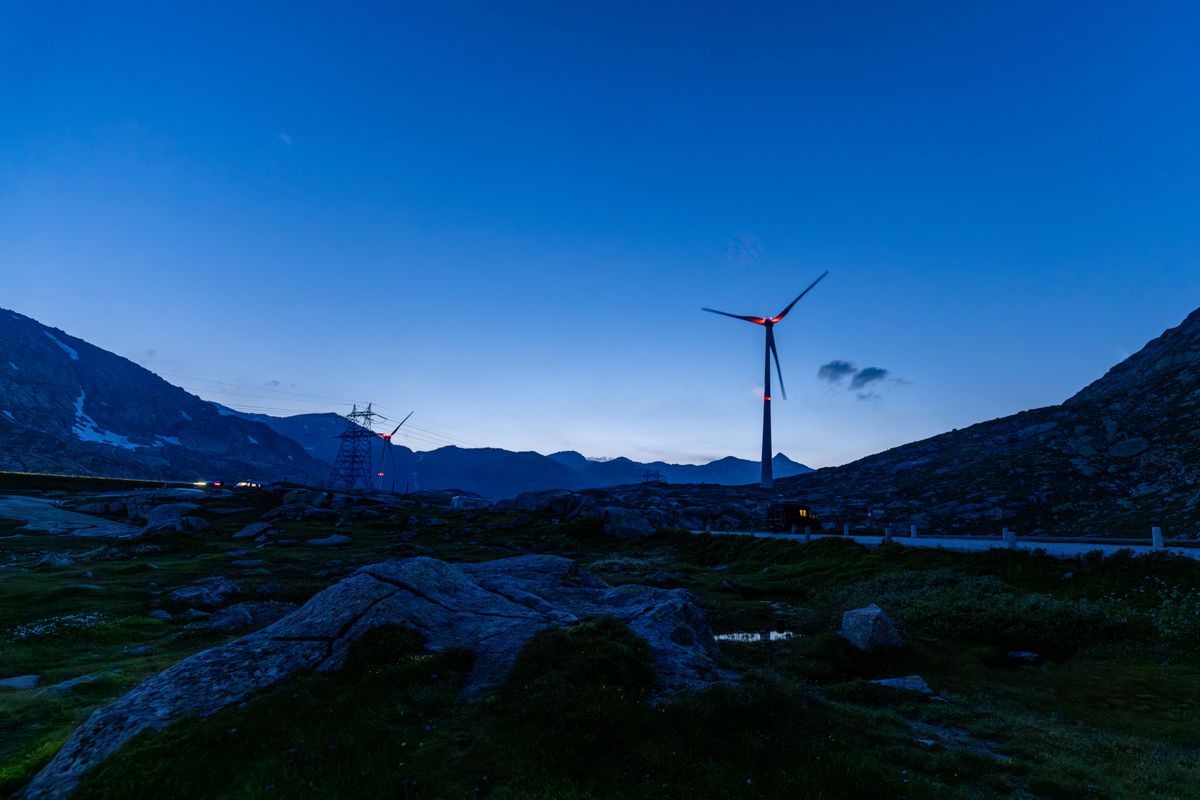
x=160 y=614
x=333 y=540
x=306 y=498
x=625 y=522
x=193 y=524
x=141 y=650
x=252 y=530
x=56 y=560
x=1023 y=657
x=249 y=616
x=493 y=608
x=20 y=682
x=1129 y=448
x=173 y=517
x=206 y=592
x=559 y=502
x=870 y=628
x=909 y=683
x=194 y=615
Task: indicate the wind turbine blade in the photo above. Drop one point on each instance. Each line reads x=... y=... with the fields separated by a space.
x=778 y=369
x=393 y=433
x=784 y=313
x=755 y=320
x=397 y=427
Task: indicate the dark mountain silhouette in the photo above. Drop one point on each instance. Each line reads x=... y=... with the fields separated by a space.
x=497 y=473
x=69 y=406
x=1120 y=456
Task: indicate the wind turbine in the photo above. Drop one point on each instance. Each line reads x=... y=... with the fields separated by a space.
x=766 y=479
x=387 y=449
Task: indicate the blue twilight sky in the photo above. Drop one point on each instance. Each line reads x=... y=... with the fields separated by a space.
x=507 y=216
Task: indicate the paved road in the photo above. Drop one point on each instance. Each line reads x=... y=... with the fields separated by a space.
x=40 y=514
x=976 y=544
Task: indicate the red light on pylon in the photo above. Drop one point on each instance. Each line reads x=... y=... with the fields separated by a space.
x=379 y=474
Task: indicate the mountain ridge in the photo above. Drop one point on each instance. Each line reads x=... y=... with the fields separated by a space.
x=1122 y=454
x=67 y=405
x=497 y=473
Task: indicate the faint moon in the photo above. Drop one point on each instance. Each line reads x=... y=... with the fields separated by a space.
x=743 y=249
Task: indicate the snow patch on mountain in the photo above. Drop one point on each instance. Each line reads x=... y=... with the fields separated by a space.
x=159 y=441
x=10 y=416
x=252 y=439
x=184 y=414
x=13 y=367
x=87 y=430
x=66 y=348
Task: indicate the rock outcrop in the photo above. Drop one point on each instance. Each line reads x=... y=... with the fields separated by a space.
x=869 y=629
x=493 y=608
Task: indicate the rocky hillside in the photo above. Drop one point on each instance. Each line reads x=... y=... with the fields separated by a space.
x=69 y=406
x=1118 y=457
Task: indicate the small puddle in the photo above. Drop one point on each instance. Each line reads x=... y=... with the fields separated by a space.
x=770 y=636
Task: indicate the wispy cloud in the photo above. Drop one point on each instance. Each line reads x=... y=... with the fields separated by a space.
x=286 y=138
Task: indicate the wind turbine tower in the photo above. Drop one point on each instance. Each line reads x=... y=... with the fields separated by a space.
x=766 y=479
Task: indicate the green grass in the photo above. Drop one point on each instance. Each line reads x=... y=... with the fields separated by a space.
x=1110 y=715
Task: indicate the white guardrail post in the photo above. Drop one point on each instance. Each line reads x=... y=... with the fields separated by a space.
x=1156 y=537
x=845 y=529
x=912 y=531
x=1010 y=539
x=887 y=533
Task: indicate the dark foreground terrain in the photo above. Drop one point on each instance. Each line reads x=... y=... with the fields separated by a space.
x=1103 y=703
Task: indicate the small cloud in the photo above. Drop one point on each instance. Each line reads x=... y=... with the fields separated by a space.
x=863 y=382
x=273 y=384
x=866 y=376
x=743 y=249
x=151 y=353
x=286 y=138
x=836 y=371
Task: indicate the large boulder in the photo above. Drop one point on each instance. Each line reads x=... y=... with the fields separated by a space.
x=493 y=608
x=253 y=529
x=869 y=629
x=206 y=593
x=173 y=517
